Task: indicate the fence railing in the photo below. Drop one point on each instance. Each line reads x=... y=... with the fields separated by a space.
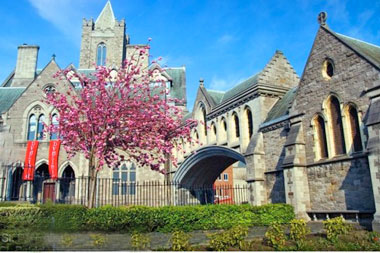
x=119 y=192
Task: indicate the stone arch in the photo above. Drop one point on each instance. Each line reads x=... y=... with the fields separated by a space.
x=353 y=127
x=64 y=165
x=29 y=110
x=335 y=124
x=200 y=168
x=319 y=124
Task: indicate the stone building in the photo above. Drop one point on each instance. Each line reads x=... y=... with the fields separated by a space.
x=23 y=112
x=311 y=142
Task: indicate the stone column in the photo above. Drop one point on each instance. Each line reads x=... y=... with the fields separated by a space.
x=295 y=176
x=255 y=163
x=373 y=148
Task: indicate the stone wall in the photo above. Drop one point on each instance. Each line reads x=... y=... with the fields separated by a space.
x=342 y=185
x=274 y=148
x=275 y=187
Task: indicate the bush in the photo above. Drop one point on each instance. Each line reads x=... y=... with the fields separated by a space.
x=59 y=217
x=140 y=241
x=335 y=227
x=180 y=241
x=275 y=235
x=231 y=238
x=298 y=231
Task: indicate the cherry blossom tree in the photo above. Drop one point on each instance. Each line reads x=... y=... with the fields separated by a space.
x=118 y=112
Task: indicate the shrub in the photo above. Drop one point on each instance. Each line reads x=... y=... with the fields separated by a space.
x=60 y=217
x=180 y=241
x=298 y=231
x=275 y=235
x=140 y=241
x=22 y=240
x=98 y=240
x=231 y=238
x=335 y=227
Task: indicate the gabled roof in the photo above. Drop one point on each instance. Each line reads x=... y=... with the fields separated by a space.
x=281 y=108
x=368 y=51
x=9 y=95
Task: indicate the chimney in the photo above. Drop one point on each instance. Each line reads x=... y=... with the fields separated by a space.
x=26 y=65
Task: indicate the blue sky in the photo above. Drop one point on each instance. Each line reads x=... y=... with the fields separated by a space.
x=222 y=41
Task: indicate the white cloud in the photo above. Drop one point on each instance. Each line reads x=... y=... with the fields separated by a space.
x=224 y=84
x=66 y=15
x=226 y=38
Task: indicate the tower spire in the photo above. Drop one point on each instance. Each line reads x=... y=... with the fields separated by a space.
x=106 y=18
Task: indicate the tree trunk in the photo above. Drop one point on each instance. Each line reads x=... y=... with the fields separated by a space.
x=92 y=183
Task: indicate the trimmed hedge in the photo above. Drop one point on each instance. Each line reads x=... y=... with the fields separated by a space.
x=60 y=217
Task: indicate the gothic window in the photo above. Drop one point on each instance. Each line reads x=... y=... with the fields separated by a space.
x=213 y=128
x=101 y=55
x=321 y=142
x=224 y=123
x=54 y=121
x=32 y=127
x=40 y=127
x=204 y=120
x=249 y=121
x=355 y=129
x=124 y=180
x=337 y=126
x=236 y=122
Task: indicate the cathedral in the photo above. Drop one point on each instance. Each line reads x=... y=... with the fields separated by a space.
x=311 y=141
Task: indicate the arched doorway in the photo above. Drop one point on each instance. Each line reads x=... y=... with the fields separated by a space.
x=40 y=175
x=67 y=185
x=200 y=170
x=16 y=184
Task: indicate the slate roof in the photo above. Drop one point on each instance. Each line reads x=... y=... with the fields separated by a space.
x=281 y=108
x=178 y=76
x=216 y=95
x=240 y=87
x=367 y=50
x=9 y=95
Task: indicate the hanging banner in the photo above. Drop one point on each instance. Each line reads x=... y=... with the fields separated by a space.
x=53 y=158
x=30 y=160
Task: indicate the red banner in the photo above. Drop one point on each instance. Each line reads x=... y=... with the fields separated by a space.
x=53 y=158
x=30 y=161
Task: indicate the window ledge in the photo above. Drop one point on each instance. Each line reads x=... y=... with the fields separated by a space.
x=339 y=158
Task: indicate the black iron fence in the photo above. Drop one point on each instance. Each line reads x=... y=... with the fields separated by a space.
x=118 y=192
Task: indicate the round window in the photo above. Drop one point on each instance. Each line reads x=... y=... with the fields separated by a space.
x=328 y=69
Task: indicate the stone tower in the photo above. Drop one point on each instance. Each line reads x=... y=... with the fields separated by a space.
x=103 y=41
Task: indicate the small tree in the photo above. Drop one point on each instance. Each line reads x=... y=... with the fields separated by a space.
x=118 y=111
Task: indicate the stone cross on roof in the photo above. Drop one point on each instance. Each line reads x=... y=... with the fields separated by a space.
x=322 y=17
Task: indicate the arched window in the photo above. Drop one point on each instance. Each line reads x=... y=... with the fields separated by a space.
x=124 y=179
x=32 y=127
x=337 y=126
x=236 y=122
x=321 y=141
x=101 y=55
x=204 y=120
x=355 y=129
x=40 y=128
x=54 y=121
x=249 y=122
x=213 y=128
x=224 y=123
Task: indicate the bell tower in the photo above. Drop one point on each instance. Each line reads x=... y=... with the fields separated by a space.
x=103 y=41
